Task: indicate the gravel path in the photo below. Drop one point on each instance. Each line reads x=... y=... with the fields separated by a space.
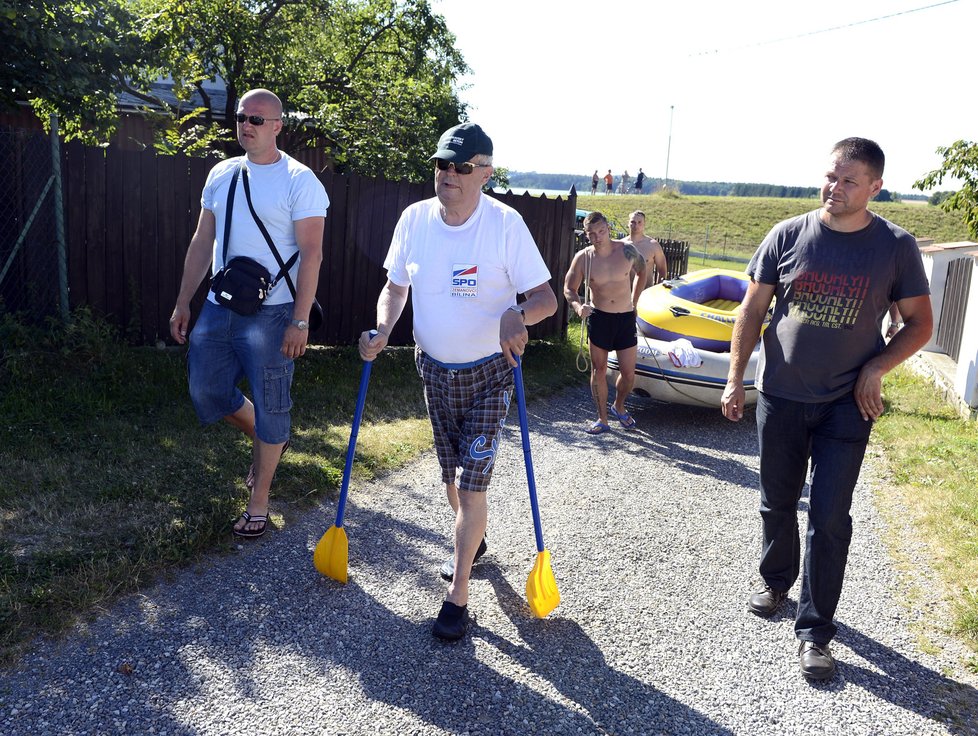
x=654 y=537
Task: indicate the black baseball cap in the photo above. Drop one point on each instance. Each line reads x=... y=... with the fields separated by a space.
x=462 y=143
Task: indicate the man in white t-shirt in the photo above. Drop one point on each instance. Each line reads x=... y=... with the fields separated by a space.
x=464 y=257
x=226 y=346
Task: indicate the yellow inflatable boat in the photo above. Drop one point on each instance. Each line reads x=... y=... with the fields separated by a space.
x=700 y=306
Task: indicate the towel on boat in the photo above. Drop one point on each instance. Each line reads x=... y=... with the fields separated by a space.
x=683 y=354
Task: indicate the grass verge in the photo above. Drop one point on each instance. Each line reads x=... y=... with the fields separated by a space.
x=107 y=480
x=930 y=452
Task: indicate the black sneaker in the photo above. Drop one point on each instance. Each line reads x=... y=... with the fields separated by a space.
x=816 y=660
x=766 y=601
x=452 y=622
x=447 y=571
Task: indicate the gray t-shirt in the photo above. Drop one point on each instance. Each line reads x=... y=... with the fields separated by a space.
x=832 y=291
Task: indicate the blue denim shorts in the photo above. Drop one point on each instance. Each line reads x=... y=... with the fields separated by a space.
x=226 y=347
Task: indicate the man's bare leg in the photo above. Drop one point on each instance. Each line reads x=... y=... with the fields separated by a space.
x=243 y=419
x=599 y=381
x=266 y=461
x=626 y=376
x=470 y=528
x=451 y=492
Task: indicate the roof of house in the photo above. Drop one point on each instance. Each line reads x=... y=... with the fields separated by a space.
x=163 y=89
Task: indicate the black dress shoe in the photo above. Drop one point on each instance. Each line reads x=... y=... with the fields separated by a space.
x=816 y=660
x=447 y=571
x=766 y=601
x=452 y=622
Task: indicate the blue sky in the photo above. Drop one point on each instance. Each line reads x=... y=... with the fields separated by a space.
x=759 y=89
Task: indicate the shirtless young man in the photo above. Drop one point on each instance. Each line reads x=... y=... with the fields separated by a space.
x=608 y=265
x=656 y=267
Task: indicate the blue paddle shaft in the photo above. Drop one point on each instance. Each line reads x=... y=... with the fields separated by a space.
x=354 y=430
x=525 y=432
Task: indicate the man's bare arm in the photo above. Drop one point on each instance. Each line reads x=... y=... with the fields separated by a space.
x=746 y=331
x=390 y=304
x=638 y=268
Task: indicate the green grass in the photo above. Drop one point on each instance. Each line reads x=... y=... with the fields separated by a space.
x=735 y=226
x=931 y=452
x=108 y=480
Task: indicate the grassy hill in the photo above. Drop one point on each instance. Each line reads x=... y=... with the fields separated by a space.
x=736 y=225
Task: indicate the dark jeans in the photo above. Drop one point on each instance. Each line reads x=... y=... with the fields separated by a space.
x=834 y=436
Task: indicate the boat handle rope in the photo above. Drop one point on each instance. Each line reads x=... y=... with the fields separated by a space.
x=584 y=359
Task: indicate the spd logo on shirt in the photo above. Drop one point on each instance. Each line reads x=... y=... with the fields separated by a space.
x=465 y=281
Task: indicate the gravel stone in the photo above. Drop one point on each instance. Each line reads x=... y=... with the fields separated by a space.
x=654 y=536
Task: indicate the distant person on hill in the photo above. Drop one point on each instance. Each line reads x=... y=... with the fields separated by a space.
x=625 y=181
x=463 y=257
x=832 y=275
x=609 y=182
x=594 y=183
x=656 y=266
x=607 y=265
x=639 y=181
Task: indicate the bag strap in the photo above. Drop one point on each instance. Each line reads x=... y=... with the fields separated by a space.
x=282 y=265
x=227 y=216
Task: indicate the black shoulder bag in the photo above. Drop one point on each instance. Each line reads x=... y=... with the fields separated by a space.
x=243 y=284
x=316 y=312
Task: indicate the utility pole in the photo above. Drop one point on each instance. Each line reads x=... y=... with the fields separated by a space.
x=669 y=147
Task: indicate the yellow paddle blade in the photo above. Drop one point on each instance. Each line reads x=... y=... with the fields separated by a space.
x=331 y=554
x=541 y=587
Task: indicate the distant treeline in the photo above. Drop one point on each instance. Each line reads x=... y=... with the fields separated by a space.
x=564 y=182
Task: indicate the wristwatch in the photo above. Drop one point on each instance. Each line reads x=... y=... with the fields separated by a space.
x=301 y=324
x=517 y=308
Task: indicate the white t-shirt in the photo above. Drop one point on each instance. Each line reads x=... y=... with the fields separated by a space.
x=463 y=277
x=282 y=193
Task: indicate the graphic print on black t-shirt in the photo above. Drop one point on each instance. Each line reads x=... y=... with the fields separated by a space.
x=830 y=300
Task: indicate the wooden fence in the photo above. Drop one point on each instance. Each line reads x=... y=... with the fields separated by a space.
x=130 y=216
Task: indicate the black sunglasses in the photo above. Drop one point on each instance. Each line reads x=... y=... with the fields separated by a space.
x=253 y=119
x=461 y=169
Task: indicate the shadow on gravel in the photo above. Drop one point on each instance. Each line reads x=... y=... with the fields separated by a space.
x=901 y=680
x=397 y=662
x=559 y=651
x=696 y=440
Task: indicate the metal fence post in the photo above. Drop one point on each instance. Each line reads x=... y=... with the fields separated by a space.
x=59 y=219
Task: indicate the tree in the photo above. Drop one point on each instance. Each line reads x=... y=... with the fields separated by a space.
x=70 y=58
x=371 y=80
x=960 y=162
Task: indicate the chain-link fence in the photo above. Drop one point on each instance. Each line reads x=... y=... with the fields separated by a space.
x=33 y=275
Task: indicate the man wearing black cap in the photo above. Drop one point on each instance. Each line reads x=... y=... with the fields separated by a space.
x=464 y=257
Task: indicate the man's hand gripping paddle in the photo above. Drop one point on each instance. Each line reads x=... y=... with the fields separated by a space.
x=332 y=552
x=541 y=587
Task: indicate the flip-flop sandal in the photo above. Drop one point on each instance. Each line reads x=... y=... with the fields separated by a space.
x=598 y=428
x=250 y=478
x=251 y=519
x=626 y=419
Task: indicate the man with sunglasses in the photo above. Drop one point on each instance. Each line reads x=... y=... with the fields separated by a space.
x=464 y=257
x=226 y=346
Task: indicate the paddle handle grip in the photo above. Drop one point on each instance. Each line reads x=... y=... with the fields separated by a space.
x=527 y=458
x=352 y=446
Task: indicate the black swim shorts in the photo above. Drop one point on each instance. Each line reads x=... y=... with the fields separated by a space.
x=612 y=330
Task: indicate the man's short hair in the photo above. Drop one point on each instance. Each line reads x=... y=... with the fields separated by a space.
x=594 y=218
x=863 y=150
x=639 y=213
